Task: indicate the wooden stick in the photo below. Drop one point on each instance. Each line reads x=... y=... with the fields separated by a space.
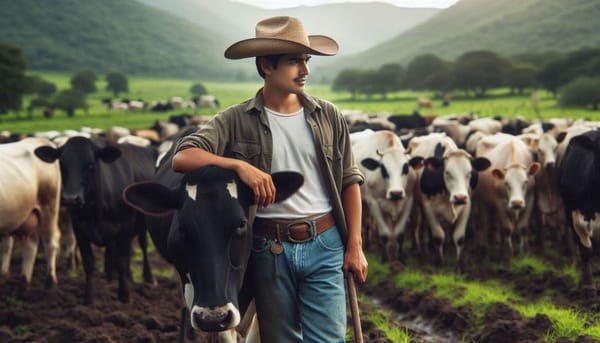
x=353 y=300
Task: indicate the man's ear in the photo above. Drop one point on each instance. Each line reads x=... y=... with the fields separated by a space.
x=265 y=65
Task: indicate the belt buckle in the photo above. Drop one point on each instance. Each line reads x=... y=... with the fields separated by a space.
x=311 y=225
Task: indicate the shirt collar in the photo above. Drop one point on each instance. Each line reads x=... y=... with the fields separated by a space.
x=256 y=104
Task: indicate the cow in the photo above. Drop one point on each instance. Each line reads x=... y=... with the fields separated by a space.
x=94 y=174
x=579 y=185
x=200 y=222
x=444 y=191
x=388 y=190
x=29 y=205
x=506 y=189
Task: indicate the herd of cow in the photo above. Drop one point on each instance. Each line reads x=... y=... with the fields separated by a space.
x=462 y=179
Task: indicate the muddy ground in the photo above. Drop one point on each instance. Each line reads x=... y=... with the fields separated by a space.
x=57 y=315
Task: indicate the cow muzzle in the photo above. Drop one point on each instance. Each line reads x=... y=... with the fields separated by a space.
x=396 y=195
x=215 y=319
x=517 y=204
x=460 y=199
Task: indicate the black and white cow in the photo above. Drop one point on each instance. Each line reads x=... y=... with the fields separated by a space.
x=200 y=222
x=579 y=184
x=94 y=175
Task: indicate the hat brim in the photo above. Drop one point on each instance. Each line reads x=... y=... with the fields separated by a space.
x=254 y=47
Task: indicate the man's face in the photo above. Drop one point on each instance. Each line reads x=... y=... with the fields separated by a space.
x=291 y=73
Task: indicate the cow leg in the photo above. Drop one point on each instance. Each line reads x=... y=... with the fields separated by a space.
x=51 y=244
x=109 y=261
x=437 y=232
x=143 y=242
x=6 y=245
x=89 y=265
x=587 y=279
x=458 y=236
x=123 y=252
x=383 y=231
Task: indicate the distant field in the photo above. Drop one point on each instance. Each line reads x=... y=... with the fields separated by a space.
x=148 y=89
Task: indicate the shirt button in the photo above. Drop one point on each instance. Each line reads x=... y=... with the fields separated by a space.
x=266 y=132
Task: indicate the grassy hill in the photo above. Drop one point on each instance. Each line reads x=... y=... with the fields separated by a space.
x=508 y=27
x=112 y=35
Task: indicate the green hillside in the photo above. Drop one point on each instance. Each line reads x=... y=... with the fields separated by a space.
x=112 y=35
x=508 y=27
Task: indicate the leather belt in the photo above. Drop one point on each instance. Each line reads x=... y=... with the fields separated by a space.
x=293 y=230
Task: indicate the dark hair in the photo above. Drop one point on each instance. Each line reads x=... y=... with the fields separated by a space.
x=273 y=60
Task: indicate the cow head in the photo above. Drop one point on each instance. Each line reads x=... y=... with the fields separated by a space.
x=394 y=167
x=79 y=163
x=212 y=214
x=454 y=172
x=516 y=182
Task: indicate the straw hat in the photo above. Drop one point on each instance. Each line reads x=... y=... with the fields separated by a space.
x=281 y=35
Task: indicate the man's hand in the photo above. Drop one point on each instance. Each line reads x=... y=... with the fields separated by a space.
x=260 y=182
x=356 y=262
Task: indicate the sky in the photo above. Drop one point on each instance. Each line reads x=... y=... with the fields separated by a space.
x=270 y=4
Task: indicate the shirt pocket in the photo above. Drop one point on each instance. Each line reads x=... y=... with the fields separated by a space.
x=246 y=151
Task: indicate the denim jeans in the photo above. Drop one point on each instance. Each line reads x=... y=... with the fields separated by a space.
x=306 y=301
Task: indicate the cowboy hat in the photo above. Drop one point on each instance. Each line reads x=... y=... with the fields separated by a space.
x=281 y=35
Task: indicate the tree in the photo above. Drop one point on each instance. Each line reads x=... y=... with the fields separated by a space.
x=84 y=81
x=13 y=82
x=69 y=100
x=583 y=91
x=520 y=76
x=423 y=72
x=348 y=80
x=559 y=72
x=388 y=78
x=479 y=71
x=198 y=89
x=117 y=83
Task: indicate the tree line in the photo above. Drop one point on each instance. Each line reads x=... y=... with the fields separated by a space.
x=15 y=84
x=573 y=77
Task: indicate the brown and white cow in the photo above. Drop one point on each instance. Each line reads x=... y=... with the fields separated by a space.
x=29 y=204
x=505 y=192
x=388 y=190
x=444 y=191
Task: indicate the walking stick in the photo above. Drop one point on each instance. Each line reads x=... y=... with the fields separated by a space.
x=353 y=300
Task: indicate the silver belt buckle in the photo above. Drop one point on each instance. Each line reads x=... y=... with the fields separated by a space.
x=312 y=226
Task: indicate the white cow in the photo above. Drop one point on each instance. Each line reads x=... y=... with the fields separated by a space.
x=388 y=190
x=506 y=189
x=444 y=191
x=29 y=205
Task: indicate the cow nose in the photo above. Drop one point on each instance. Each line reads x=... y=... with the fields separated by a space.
x=213 y=320
x=549 y=165
x=460 y=199
x=397 y=195
x=517 y=204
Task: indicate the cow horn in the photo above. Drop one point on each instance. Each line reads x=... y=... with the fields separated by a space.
x=379 y=153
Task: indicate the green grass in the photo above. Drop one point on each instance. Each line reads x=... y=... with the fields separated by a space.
x=148 y=89
x=479 y=295
x=382 y=321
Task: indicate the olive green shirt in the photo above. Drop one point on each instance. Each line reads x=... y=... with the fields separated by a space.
x=242 y=131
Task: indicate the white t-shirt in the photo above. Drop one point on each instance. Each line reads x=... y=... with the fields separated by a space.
x=294 y=150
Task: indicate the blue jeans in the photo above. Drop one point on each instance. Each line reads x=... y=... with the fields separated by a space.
x=306 y=302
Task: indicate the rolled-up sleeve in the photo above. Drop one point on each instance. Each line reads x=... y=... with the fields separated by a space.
x=350 y=173
x=212 y=137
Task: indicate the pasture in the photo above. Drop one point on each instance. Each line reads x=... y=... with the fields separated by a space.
x=497 y=103
x=534 y=298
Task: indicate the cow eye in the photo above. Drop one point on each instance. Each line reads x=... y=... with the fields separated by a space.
x=405 y=169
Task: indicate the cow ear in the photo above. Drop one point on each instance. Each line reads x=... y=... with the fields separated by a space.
x=561 y=136
x=534 y=168
x=47 y=153
x=416 y=162
x=108 y=154
x=481 y=163
x=498 y=174
x=370 y=163
x=433 y=163
x=152 y=198
x=286 y=184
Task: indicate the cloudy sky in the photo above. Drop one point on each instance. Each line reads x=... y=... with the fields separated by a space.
x=401 y=3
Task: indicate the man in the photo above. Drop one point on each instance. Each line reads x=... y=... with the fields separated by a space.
x=298 y=258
